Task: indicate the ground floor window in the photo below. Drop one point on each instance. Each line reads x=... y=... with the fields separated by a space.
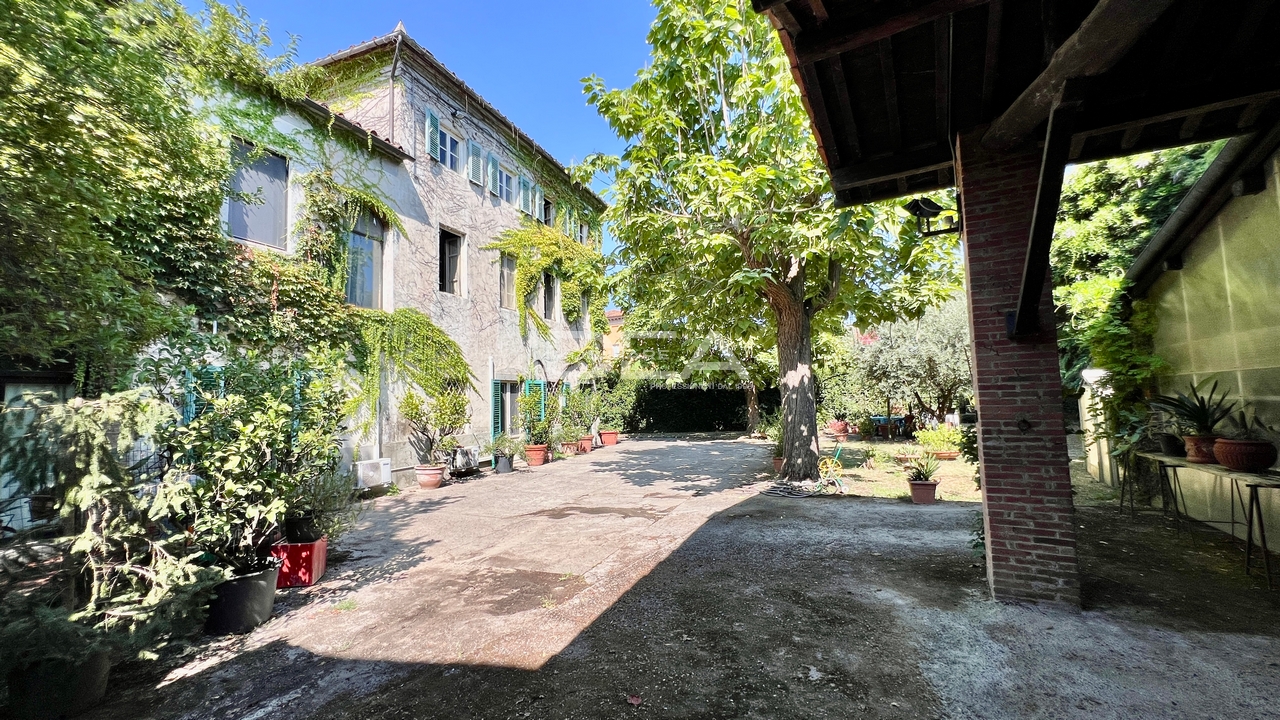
x=505 y=397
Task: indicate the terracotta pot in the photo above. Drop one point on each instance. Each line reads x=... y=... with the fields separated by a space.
x=842 y=437
x=535 y=455
x=923 y=493
x=1200 y=448
x=906 y=459
x=609 y=437
x=429 y=476
x=777 y=464
x=569 y=448
x=840 y=427
x=1245 y=455
x=944 y=454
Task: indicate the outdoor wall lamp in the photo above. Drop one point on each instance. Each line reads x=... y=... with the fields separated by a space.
x=927 y=211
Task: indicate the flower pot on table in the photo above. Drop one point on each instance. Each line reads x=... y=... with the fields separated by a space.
x=1249 y=456
x=1200 y=448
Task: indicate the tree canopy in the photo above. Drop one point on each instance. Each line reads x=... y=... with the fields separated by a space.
x=723 y=210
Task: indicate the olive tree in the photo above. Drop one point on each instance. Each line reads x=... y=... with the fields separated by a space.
x=722 y=208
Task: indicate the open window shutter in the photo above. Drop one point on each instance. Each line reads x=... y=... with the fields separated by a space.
x=493 y=174
x=537 y=203
x=542 y=389
x=433 y=136
x=526 y=204
x=475 y=163
x=497 y=407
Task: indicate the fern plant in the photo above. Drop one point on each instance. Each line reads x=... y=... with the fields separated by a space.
x=1201 y=414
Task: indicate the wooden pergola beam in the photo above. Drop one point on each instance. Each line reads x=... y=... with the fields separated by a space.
x=1101 y=41
x=891 y=168
x=1025 y=321
x=838 y=37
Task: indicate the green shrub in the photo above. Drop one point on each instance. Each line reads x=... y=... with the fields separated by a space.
x=941 y=437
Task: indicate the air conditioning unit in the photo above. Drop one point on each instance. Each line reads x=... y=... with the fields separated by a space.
x=373 y=473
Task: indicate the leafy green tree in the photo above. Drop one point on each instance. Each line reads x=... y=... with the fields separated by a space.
x=723 y=209
x=924 y=361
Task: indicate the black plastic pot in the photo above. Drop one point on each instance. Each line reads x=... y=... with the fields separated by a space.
x=501 y=464
x=243 y=603
x=58 y=688
x=1172 y=445
x=302 y=529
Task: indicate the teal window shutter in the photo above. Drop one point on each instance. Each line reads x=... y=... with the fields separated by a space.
x=537 y=203
x=539 y=386
x=493 y=174
x=526 y=197
x=497 y=407
x=475 y=163
x=433 y=136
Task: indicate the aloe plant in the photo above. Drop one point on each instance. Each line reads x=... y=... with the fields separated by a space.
x=1201 y=413
x=923 y=469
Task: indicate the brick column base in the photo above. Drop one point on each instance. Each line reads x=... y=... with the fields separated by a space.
x=1026 y=480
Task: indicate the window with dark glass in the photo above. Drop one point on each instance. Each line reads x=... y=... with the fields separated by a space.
x=258 y=204
x=450 y=262
x=364 y=262
x=507 y=282
x=548 y=296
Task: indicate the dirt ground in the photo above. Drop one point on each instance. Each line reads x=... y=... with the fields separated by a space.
x=652 y=580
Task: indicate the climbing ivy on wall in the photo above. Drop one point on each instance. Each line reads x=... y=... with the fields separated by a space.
x=539 y=249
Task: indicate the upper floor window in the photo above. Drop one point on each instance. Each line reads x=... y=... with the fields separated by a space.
x=547 y=213
x=584 y=233
x=475 y=163
x=258 y=205
x=507 y=282
x=506 y=186
x=364 y=262
x=548 y=296
x=450 y=262
x=448 y=150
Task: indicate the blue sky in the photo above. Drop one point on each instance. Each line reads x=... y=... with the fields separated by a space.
x=527 y=58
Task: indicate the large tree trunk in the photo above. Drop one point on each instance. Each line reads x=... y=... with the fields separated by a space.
x=753 y=407
x=799 y=403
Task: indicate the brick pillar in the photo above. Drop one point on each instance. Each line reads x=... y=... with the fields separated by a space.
x=1026 y=488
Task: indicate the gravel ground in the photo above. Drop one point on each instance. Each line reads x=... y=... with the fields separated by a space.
x=651 y=580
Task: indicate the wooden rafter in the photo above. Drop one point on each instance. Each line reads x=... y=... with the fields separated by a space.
x=891 y=167
x=991 y=57
x=890 y=77
x=1101 y=41
x=841 y=81
x=876 y=25
x=942 y=78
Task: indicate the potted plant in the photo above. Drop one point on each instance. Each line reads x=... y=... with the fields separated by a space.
x=778 y=458
x=1199 y=413
x=503 y=448
x=924 y=489
x=1246 y=447
x=840 y=427
x=608 y=437
x=586 y=443
x=942 y=442
x=54 y=666
x=539 y=431
x=567 y=438
x=432 y=427
x=321 y=509
x=1165 y=432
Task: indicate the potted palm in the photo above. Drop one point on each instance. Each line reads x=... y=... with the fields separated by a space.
x=503 y=448
x=920 y=472
x=1246 y=447
x=538 y=428
x=432 y=427
x=1201 y=414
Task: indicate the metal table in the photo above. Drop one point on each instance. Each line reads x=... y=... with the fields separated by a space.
x=1251 y=507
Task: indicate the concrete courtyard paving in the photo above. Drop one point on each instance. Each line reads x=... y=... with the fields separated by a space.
x=654 y=573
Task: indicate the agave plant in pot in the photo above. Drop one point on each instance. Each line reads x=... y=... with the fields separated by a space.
x=920 y=472
x=1247 y=446
x=1200 y=414
x=432 y=426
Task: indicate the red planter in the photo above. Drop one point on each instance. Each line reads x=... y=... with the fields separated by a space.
x=429 y=477
x=609 y=437
x=777 y=464
x=923 y=493
x=1200 y=448
x=1245 y=455
x=842 y=436
x=303 y=563
x=535 y=455
x=584 y=444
